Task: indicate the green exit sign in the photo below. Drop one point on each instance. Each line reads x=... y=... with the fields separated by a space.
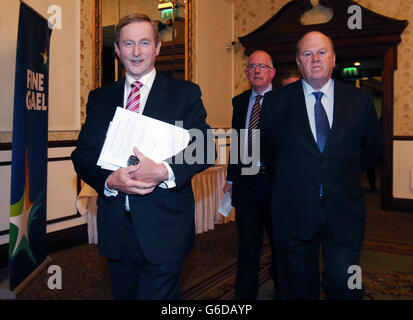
x=351 y=71
x=166 y=14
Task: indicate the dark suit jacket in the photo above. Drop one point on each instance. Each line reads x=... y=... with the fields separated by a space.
x=244 y=192
x=353 y=144
x=164 y=219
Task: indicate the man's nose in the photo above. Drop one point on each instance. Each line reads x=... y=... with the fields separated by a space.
x=136 y=50
x=315 y=56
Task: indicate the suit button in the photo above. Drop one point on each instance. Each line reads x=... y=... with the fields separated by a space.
x=321 y=159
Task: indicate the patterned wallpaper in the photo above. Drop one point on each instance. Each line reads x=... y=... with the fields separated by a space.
x=86 y=55
x=86 y=68
x=249 y=15
x=403 y=76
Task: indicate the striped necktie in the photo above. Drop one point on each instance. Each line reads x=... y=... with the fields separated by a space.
x=254 y=120
x=134 y=97
x=132 y=104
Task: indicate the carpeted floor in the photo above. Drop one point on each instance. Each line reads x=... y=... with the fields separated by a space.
x=209 y=271
x=85 y=273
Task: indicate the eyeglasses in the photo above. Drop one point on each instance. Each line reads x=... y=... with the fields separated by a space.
x=254 y=66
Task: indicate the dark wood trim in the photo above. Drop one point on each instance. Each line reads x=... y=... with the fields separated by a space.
x=402 y=205
x=8 y=163
x=58 y=159
x=55 y=241
x=65 y=218
x=403 y=138
x=97 y=43
x=171 y=56
x=4 y=146
x=389 y=65
x=62 y=143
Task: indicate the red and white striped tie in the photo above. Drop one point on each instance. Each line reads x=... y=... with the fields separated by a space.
x=134 y=97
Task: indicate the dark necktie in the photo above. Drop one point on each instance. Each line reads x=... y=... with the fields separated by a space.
x=254 y=120
x=321 y=121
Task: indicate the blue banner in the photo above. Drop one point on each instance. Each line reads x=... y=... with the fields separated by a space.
x=27 y=244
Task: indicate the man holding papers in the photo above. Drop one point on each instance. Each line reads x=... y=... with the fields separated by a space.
x=145 y=211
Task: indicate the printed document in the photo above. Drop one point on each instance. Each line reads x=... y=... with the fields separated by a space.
x=156 y=139
x=225 y=206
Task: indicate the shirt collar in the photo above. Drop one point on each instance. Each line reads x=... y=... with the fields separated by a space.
x=146 y=80
x=254 y=94
x=326 y=89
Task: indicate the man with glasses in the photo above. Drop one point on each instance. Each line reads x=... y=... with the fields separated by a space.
x=251 y=194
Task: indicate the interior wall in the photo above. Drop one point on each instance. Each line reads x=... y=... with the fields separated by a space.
x=403 y=169
x=61 y=192
x=64 y=75
x=214 y=33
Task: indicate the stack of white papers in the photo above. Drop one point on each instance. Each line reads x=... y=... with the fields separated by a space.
x=225 y=206
x=156 y=139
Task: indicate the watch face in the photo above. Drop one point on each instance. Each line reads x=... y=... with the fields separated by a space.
x=133 y=161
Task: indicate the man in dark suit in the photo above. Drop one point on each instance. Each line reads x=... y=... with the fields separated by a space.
x=320 y=135
x=145 y=211
x=251 y=191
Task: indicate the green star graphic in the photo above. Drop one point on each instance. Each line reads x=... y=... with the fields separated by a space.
x=21 y=216
x=45 y=57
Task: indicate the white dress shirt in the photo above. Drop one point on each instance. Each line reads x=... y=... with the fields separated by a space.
x=247 y=122
x=147 y=82
x=327 y=100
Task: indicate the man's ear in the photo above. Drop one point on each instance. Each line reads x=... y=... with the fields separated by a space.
x=116 y=50
x=158 y=48
x=274 y=72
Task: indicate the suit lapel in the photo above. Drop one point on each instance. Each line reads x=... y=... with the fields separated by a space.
x=302 y=126
x=154 y=106
x=116 y=98
x=338 y=115
x=244 y=103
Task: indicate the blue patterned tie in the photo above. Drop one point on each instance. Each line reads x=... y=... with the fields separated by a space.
x=321 y=121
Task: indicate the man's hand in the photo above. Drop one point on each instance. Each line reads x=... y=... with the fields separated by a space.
x=121 y=180
x=228 y=188
x=148 y=173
